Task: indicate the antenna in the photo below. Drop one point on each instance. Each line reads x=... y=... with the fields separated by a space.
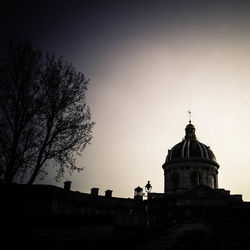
x=189 y=116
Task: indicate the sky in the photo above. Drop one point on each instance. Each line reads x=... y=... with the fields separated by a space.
x=149 y=62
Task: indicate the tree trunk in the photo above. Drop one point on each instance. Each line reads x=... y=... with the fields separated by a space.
x=10 y=168
x=39 y=162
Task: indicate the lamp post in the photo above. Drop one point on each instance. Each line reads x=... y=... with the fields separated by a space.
x=148 y=189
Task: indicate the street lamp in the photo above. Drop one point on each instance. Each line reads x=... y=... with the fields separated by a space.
x=148 y=189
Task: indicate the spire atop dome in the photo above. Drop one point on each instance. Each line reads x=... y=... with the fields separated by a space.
x=190 y=132
x=189 y=116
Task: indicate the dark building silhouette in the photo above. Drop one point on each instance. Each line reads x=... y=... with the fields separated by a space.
x=192 y=213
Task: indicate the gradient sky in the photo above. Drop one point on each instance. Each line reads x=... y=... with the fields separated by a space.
x=148 y=62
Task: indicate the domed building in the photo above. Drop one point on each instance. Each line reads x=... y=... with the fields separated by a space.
x=189 y=164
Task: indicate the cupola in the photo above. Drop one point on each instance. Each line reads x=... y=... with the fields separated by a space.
x=190 y=163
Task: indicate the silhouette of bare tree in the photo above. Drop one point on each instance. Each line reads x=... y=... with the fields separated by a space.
x=44 y=118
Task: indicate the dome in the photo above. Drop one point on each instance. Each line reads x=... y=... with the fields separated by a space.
x=189 y=164
x=190 y=149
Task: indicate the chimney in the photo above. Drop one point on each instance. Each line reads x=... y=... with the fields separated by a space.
x=94 y=191
x=138 y=193
x=67 y=185
x=108 y=193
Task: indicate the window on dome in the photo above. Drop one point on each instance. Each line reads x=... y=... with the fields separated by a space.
x=215 y=184
x=175 y=181
x=196 y=179
x=211 y=181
